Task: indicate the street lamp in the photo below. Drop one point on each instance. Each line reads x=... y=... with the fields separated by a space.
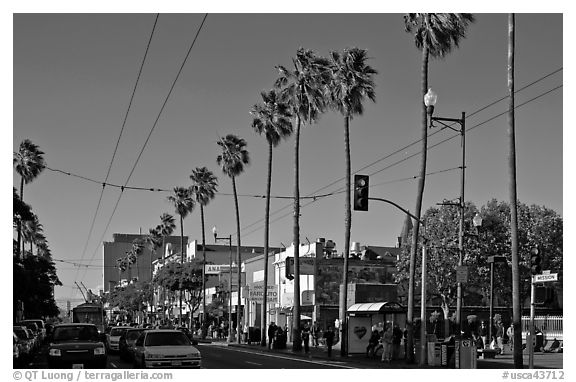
x=229 y=238
x=430 y=99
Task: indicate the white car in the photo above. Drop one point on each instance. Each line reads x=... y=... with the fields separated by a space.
x=166 y=348
x=113 y=338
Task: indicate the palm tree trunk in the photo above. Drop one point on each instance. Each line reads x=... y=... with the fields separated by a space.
x=20 y=243
x=266 y=244
x=418 y=210
x=181 y=262
x=296 y=342
x=347 y=229
x=204 y=323
x=238 y=256
x=516 y=307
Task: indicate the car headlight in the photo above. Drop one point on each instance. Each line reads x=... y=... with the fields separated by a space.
x=99 y=351
x=55 y=353
x=193 y=355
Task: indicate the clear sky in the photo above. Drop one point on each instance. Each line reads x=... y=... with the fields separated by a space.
x=73 y=75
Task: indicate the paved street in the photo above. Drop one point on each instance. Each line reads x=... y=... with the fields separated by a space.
x=220 y=355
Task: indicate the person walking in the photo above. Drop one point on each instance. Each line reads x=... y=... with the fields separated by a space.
x=305 y=334
x=271 y=333
x=329 y=337
x=510 y=334
x=387 y=344
x=500 y=336
x=484 y=333
x=315 y=331
x=396 y=341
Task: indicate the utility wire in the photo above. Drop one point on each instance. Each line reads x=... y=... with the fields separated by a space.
x=119 y=137
x=150 y=133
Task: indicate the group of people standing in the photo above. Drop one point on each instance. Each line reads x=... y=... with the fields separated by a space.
x=389 y=339
x=499 y=335
x=277 y=337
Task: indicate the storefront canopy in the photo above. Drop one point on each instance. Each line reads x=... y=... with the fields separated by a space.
x=376 y=307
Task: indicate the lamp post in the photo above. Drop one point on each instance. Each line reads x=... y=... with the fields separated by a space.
x=430 y=99
x=229 y=238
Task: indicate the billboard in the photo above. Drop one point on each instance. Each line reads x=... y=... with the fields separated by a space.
x=256 y=293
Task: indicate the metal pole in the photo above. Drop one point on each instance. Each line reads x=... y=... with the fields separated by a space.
x=530 y=344
x=491 y=303
x=230 y=338
x=423 y=310
x=461 y=230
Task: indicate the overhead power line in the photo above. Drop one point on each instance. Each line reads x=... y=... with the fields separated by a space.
x=150 y=132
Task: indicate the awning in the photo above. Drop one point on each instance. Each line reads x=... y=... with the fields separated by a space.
x=376 y=307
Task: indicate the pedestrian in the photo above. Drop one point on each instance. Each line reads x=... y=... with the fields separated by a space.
x=305 y=334
x=315 y=331
x=484 y=333
x=510 y=334
x=499 y=336
x=387 y=344
x=372 y=343
x=329 y=337
x=247 y=334
x=396 y=341
x=271 y=334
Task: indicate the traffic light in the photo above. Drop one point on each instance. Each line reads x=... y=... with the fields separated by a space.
x=360 y=192
x=535 y=261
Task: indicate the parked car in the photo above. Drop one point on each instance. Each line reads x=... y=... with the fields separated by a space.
x=113 y=338
x=35 y=330
x=25 y=342
x=76 y=345
x=41 y=327
x=165 y=348
x=16 y=361
x=127 y=340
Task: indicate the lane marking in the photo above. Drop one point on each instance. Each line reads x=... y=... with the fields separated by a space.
x=325 y=363
x=254 y=363
x=114 y=366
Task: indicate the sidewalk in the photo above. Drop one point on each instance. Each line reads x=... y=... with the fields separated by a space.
x=360 y=360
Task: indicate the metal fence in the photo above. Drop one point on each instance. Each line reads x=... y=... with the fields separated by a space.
x=551 y=326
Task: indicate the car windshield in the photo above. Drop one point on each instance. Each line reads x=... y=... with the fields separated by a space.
x=21 y=333
x=117 y=331
x=76 y=333
x=40 y=323
x=133 y=334
x=167 y=339
x=30 y=325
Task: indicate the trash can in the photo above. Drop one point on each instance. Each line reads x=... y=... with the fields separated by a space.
x=465 y=354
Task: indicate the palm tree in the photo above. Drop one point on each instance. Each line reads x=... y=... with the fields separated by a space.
x=352 y=81
x=271 y=119
x=516 y=304
x=303 y=89
x=137 y=249
x=29 y=163
x=32 y=232
x=204 y=188
x=435 y=34
x=183 y=204
x=233 y=160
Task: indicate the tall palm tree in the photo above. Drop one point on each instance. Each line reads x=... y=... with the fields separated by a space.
x=137 y=249
x=516 y=304
x=183 y=204
x=351 y=83
x=32 y=232
x=28 y=163
x=204 y=188
x=154 y=240
x=304 y=89
x=435 y=34
x=271 y=119
x=233 y=160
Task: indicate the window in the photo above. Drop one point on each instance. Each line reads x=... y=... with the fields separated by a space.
x=76 y=333
x=167 y=339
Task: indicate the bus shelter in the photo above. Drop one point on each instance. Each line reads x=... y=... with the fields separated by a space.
x=365 y=317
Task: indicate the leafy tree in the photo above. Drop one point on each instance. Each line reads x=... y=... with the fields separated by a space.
x=204 y=187
x=34 y=281
x=271 y=119
x=352 y=81
x=133 y=298
x=28 y=163
x=435 y=34
x=233 y=160
x=538 y=227
x=304 y=88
